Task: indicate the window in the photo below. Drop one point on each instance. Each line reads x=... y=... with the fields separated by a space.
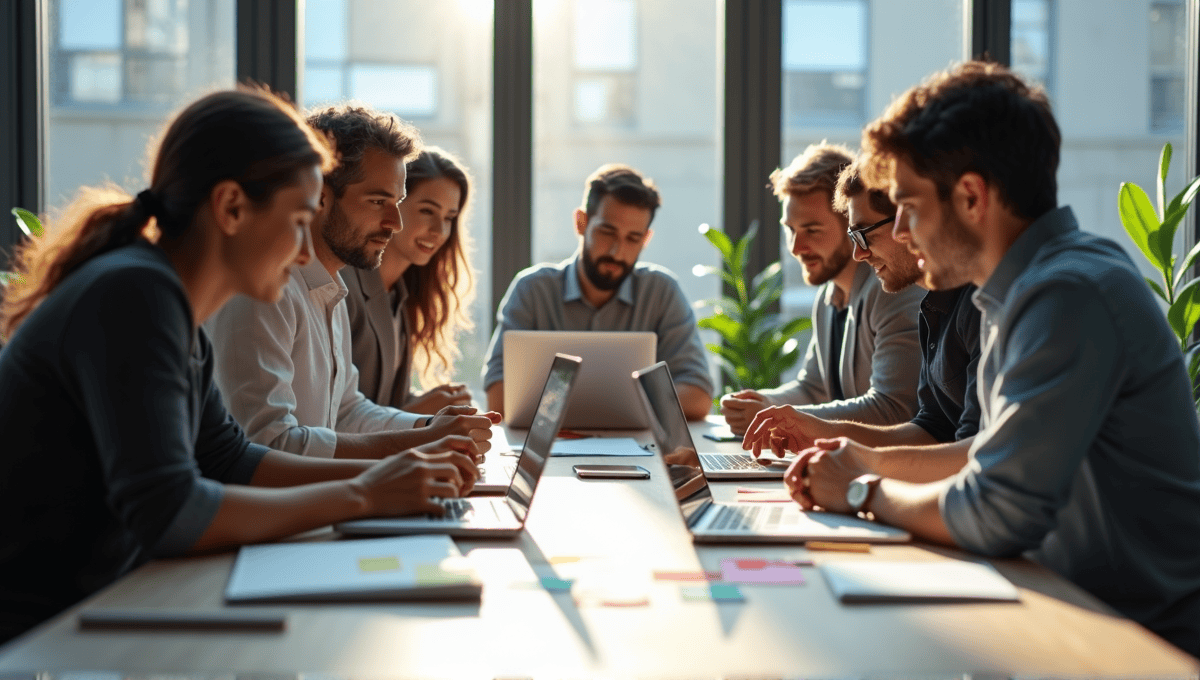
x=1168 y=64
x=824 y=62
x=1032 y=26
x=605 y=59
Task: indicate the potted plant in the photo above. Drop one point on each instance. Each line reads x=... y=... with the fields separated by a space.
x=32 y=226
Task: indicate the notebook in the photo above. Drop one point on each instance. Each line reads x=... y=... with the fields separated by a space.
x=953 y=581
x=714 y=522
x=495 y=517
x=408 y=568
x=604 y=398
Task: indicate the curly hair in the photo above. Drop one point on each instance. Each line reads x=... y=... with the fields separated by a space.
x=850 y=184
x=624 y=184
x=354 y=127
x=441 y=291
x=974 y=117
x=815 y=169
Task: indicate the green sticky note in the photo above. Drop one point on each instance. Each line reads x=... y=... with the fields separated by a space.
x=390 y=563
x=555 y=585
x=715 y=592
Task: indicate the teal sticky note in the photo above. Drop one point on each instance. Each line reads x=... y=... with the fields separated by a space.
x=556 y=585
x=726 y=592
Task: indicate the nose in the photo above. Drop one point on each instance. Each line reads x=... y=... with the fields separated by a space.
x=859 y=253
x=900 y=230
x=392 y=219
x=305 y=254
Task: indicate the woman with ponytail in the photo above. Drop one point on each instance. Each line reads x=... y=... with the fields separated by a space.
x=117 y=446
x=409 y=310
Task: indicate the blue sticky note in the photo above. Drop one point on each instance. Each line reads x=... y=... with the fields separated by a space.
x=726 y=592
x=556 y=585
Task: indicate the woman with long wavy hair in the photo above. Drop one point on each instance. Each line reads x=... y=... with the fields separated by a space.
x=117 y=445
x=409 y=311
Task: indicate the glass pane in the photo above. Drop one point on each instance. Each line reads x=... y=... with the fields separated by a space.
x=646 y=97
x=115 y=72
x=430 y=62
x=843 y=61
x=1118 y=95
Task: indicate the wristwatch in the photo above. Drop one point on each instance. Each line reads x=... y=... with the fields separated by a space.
x=858 y=494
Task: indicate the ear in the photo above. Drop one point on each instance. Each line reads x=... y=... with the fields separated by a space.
x=230 y=206
x=972 y=199
x=581 y=221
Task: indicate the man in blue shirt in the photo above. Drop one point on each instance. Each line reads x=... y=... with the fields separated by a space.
x=1088 y=454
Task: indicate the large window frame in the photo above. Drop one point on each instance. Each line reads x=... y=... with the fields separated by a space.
x=267 y=52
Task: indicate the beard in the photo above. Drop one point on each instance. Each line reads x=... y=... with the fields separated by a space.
x=344 y=243
x=955 y=247
x=896 y=276
x=829 y=267
x=602 y=281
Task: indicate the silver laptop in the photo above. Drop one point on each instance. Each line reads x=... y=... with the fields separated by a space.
x=497 y=517
x=712 y=522
x=604 y=397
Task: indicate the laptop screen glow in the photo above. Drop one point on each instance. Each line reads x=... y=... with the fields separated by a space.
x=546 y=421
x=671 y=435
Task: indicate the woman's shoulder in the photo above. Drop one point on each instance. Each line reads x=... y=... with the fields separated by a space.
x=131 y=280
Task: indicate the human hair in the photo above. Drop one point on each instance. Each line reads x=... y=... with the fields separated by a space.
x=622 y=183
x=974 y=117
x=850 y=184
x=353 y=128
x=815 y=169
x=248 y=135
x=441 y=291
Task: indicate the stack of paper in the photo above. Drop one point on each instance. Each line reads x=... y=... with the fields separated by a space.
x=950 y=581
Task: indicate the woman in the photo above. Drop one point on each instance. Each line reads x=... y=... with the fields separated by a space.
x=117 y=446
x=410 y=309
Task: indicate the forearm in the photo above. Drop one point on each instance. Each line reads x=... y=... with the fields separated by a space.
x=904 y=434
x=253 y=515
x=281 y=469
x=495 y=397
x=912 y=507
x=377 y=445
x=695 y=401
x=922 y=464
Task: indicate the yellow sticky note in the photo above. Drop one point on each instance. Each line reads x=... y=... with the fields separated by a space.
x=390 y=563
x=434 y=574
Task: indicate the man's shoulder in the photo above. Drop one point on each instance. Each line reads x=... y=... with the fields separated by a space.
x=655 y=275
x=1083 y=261
x=545 y=273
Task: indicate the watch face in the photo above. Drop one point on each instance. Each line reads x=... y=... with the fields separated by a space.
x=856 y=494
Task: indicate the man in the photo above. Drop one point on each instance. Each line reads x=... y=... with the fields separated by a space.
x=604 y=288
x=285 y=368
x=1088 y=455
x=863 y=360
x=948 y=405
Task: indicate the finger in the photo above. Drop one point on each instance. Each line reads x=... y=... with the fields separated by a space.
x=456 y=411
x=447 y=473
x=494 y=417
x=440 y=489
x=483 y=447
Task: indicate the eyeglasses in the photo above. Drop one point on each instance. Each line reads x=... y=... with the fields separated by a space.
x=859 y=236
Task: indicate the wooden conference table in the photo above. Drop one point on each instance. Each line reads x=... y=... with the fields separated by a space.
x=611 y=531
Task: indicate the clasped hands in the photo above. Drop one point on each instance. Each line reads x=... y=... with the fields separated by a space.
x=825 y=464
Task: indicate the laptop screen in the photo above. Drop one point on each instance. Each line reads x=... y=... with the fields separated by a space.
x=671 y=435
x=549 y=416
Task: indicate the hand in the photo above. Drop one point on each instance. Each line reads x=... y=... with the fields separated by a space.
x=821 y=474
x=464 y=420
x=471 y=452
x=450 y=394
x=405 y=483
x=683 y=455
x=740 y=407
x=781 y=429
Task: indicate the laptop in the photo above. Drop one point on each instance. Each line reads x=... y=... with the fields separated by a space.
x=712 y=522
x=496 y=517
x=604 y=398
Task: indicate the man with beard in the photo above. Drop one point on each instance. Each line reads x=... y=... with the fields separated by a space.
x=285 y=368
x=863 y=361
x=1088 y=454
x=603 y=287
x=948 y=403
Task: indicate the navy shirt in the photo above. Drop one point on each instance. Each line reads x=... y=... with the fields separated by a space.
x=116 y=440
x=948 y=403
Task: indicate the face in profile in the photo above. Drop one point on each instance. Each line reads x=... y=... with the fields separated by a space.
x=893 y=263
x=928 y=227
x=613 y=239
x=816 y=236
x=361 y=223
x=429 y=214
x=276 y=237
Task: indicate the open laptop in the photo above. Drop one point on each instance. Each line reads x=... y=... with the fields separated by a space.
x=712 y=522
x=604 y=397
x=496 y=517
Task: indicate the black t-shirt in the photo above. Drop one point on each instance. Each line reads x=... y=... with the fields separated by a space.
x=837 y=335
x=113 y=435
x=948 y=328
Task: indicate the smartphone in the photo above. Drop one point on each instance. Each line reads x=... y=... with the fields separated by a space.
x=611 y=472
x=722 y=437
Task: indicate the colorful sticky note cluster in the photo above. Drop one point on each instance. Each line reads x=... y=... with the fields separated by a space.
x=716 y=592
x=772 y=572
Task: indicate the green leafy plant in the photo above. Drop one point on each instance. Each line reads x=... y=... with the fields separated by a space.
x=32 y=226
x=758 y=346
x=1153 y=231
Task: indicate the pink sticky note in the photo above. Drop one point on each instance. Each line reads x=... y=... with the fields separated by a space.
x=774 y=572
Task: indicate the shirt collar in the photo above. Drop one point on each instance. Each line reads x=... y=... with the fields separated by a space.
x=573 y=291
x=1052 y=225
x=833 y=293
x=317 y=279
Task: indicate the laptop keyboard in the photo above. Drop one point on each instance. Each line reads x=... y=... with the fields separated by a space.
x=733 y=461
x=746 y=517
x=457 y=509
x=509 y=470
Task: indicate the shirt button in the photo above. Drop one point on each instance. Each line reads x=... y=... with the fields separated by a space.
x=932 y=346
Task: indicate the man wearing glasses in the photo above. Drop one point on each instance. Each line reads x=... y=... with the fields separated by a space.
x=933 y=445
x=863 y=360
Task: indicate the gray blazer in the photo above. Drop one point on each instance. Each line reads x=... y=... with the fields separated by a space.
x=379 y=337
x=880 y=362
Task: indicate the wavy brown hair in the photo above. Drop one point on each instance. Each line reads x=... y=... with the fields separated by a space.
x=248 y=135
x=441 y=291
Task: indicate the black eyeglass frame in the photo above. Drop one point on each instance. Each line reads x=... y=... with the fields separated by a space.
x=858 y=236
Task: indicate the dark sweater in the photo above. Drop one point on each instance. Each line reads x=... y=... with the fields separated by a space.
x=116 y=440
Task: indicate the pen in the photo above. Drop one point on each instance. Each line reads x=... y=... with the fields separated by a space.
x=158 y=619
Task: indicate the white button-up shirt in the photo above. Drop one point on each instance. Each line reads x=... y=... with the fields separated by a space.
x=285 y=368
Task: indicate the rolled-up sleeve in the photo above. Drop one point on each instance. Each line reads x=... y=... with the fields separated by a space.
x=514 y=314
x=679 y=341
x=1055 y=362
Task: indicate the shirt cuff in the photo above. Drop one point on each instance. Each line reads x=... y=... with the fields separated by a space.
x=192 y=519
x=242 y=470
